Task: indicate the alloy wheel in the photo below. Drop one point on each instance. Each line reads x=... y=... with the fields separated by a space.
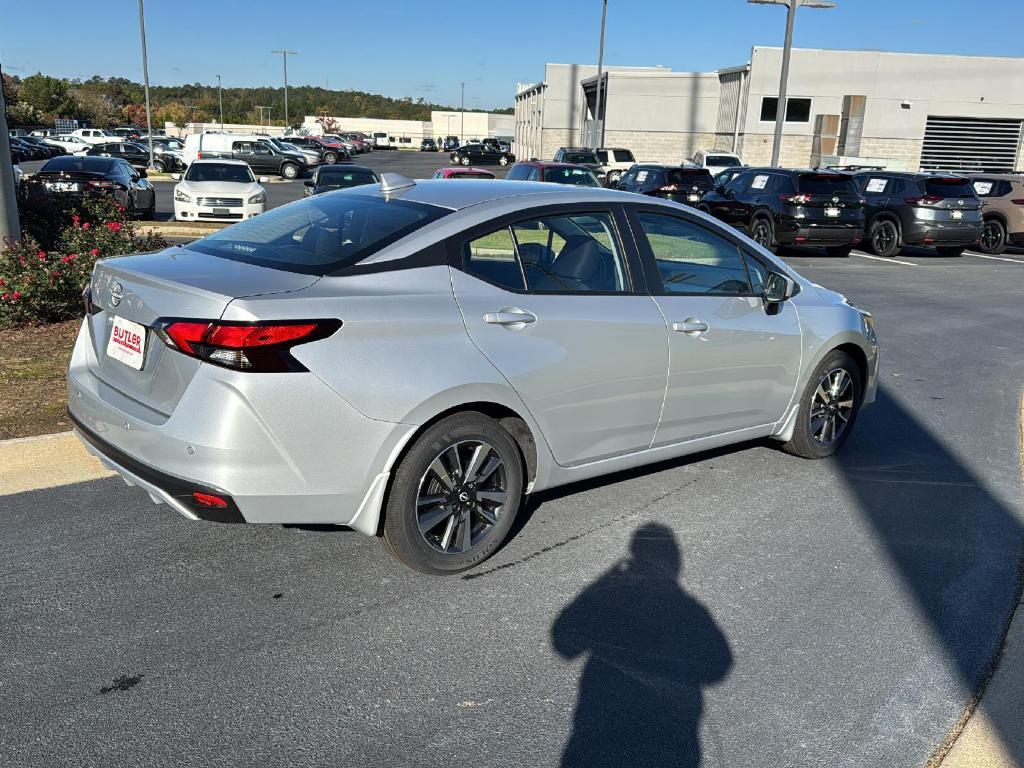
x=832 y=406
x=883 y=238
x=992 y=237
x=461 y=496
x=762 y=234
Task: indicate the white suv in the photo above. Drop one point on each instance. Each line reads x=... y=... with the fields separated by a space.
x=715 y=162
x=615 y=161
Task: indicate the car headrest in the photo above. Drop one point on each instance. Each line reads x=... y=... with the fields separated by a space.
x=580 y=259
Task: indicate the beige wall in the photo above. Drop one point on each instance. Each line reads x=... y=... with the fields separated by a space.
x=756 y=149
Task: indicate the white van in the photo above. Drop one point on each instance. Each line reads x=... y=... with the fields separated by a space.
x=262 y=155
x=381 y=140
x=96 y=136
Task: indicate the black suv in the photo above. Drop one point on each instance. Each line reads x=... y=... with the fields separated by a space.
x=582 y=156
x=919 y=209
x=481 y=154
x=778 y=206
x=671 y=182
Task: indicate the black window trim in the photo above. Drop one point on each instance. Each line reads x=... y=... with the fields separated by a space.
x=630 y=258
x=655 y=284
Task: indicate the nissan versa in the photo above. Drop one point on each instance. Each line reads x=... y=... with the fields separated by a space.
x=411 y=358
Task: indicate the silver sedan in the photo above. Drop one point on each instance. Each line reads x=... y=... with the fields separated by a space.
x=411 y=359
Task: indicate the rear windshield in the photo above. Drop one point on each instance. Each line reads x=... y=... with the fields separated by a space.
x=580 y=177
x=690 y=177
x=471 y=176
x=721 y=160
x=826 y=184
x=219 y=172
x=71 y=163
x=343 y=179
x=580 y=157
x=951 y=187
x=320 y=234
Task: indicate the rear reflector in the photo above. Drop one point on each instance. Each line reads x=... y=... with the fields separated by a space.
x=209 y=500
x=258 y=347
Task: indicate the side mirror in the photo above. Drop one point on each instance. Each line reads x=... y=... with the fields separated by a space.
x=176 y=176
x=778 y=287
x=264 y=179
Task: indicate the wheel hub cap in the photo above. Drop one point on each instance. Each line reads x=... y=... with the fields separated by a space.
x=832 y=406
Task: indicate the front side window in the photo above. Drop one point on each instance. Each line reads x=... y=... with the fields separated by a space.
x=580 y=177
x=694 y=260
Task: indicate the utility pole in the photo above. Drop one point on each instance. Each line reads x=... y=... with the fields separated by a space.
x=462 y=110
x=780 y=107
x=598 y=136
x=260 y=107
x=220 y=101
x=284 y=56
x=9 y=226
x=145 y=78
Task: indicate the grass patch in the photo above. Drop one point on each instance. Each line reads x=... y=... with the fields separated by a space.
x=33 y=366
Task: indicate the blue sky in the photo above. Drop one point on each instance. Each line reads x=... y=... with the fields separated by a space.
x=422 y=48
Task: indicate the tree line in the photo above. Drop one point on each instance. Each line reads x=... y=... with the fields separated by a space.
x=104 y=102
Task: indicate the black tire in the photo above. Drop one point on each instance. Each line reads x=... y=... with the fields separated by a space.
x=806 y=441
x=763 y=233
x=330 y=158
x=993 y=237
x=950 y=251
x=613 y=177
x=158 y=166
x=290 y=171
x=884 y=238
x=839 y=251
x=414 y=481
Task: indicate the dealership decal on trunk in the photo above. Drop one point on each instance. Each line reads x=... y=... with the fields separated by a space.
x=127 y=343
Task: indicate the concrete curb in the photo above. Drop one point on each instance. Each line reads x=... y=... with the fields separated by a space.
x=180 y=229
x=46 y=461
x=990 y=733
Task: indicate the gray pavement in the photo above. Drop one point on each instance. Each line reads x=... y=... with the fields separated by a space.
x=834 y=613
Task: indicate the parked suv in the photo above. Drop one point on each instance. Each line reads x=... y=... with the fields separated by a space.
x=716 y=162
x=582 y=156
x=614 y=162
x=778 y=206
x=1002 y=210
x=330 y=151
x=681 y=185
x=919 y=209
x=557 y=173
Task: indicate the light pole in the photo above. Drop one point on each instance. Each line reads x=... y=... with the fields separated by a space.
x=220 y=102
x=261 y=108
x=145 y=78
x=284 y=56
x=780 y=106
x=598 y=136
x=462 y=112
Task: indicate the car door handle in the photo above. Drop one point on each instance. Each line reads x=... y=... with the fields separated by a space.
x=510 y=316
x=692 y=327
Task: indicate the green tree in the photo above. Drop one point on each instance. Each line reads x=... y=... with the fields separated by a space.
x=45 y=93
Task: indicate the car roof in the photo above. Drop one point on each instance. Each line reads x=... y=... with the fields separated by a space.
x=459 y=196
x=218 y=161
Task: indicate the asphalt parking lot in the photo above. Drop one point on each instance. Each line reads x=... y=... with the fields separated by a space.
x=822 y=613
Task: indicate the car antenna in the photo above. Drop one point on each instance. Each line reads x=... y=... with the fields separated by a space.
x=389 y=182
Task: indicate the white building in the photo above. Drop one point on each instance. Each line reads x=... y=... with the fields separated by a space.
x=916 y=110
x=466 y=125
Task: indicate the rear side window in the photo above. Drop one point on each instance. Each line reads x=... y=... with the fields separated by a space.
x=623 y=156
x=825 y=184
x=948 y=187
x=493 y=258
x=991 y=187
x=518 y=173
x=875 y=185
x=321 y=234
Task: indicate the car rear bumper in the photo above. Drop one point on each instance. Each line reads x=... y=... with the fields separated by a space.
x=808 y=233
x=279 y=448
x=942 y=233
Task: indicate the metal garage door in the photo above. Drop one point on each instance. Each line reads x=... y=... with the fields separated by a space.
x=970 y=144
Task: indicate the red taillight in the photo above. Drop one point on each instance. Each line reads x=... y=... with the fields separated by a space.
x=925 y=200
x=262 y=347
x=103 y=184
x=1018 y=201
x=199 y=155
x=796 y=199
x=670 y=188
x=209 y=500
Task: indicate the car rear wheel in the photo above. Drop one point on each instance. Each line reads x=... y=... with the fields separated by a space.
x=158 y=166
x=502 y=160
x=762 y=234
x=828 y=408
x=839 y=251
x=950 y=252
x=885 y=238
x=993 y=237
x=454 y=495
x=330 y=158
x=465 y=161
x=290 y=171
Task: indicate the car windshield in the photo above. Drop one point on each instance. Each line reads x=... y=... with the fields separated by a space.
x=826 y=184
x=579 y=177
x=721 y=160
x=73 y=163
x=581 y=157
x=320 y=234
x=220 y=172
x=339 y=179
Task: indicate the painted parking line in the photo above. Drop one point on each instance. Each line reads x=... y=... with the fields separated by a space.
x=998 y=258
x=887 y=261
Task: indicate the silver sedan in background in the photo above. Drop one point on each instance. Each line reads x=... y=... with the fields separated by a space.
x=411 y=358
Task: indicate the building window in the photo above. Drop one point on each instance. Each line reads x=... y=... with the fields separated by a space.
x=797 y=110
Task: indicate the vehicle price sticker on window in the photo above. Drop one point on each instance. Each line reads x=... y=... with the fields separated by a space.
x=127 y=343
x=983 y=187
x=759 y=182
x=875 y=185
x=642 y=176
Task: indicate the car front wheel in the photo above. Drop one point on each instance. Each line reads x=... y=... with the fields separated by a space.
x=503 y=160
x=290 y=171
x=465 y=161
x=885 y=239
x=828 y=409
x=454 y=495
